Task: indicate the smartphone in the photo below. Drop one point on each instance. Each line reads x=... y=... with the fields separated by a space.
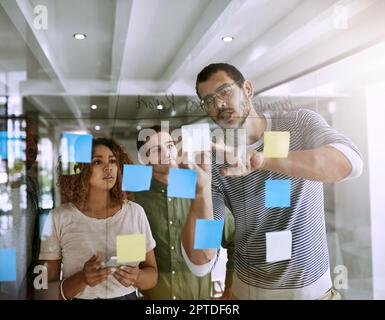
x=113 y=262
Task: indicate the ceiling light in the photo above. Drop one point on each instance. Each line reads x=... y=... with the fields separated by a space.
x=97 y=127
x=80 y=36
x=94 y=107
x=227 y=38
x=173 y=113
x=159 y=107
x=332 y=107
x=138 y=127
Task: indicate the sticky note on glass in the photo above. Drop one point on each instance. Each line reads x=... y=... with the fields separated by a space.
x=182 y=183
x=276 y=144
x=79 y=147
x=208 y=234
x=277 y=193
x=131 y=248
x=278 y=246
x=136 y=177
x=15 y=139
x=3 y=145
x=196 y=137
x=8 y=264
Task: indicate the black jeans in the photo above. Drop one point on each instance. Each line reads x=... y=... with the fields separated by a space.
x=130 y=296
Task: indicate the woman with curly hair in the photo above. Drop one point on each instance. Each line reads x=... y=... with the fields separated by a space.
x=80 y=235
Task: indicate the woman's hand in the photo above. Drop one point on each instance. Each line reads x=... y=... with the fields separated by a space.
x=93 y=271
x=127 y=275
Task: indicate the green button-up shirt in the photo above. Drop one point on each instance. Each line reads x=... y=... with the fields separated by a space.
x=167 y=217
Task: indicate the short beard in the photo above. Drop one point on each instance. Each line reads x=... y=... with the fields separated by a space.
x=246 y=108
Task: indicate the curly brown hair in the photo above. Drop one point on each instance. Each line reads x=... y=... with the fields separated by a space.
x=74 y=188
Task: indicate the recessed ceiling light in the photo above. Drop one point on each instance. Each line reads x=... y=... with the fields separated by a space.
x=97 y=127
x=80 y=36
x=332 y=107
x=94 y=107
x=159 y=107
x=227 y=38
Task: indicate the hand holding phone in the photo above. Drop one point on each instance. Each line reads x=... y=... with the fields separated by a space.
x=113 y=263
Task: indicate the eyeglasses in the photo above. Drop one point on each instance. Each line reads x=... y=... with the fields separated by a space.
x=224 y=93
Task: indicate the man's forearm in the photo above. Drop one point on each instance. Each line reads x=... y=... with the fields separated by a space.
x=147 y=278
x=325 y=164
x=201 y=208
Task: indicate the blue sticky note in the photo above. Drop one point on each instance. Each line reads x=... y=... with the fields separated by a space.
x=277 y=193
x=208 y=234
x=79 y=147
x=4 y=145
x=7 y=264
x=136 y=177
x=182 y=183
x=5 y=137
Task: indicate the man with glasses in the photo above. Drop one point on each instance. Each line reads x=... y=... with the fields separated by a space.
x=317 y=154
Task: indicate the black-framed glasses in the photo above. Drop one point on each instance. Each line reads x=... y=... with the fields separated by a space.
x=224 y=92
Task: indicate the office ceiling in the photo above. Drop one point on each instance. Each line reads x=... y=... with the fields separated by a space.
x=138 y=54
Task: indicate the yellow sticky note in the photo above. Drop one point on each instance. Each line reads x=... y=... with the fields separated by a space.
x=131 y=248
x=276 y=144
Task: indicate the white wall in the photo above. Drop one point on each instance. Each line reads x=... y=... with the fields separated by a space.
x=375 y=98
x=352 y=211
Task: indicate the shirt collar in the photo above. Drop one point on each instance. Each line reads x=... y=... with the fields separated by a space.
x=259 y=142
x=157 y=186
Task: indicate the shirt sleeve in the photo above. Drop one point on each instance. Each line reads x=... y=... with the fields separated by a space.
x=317 y=133
x=199 y=270
x=145 y=228
x=353 y=157
x=50 y=242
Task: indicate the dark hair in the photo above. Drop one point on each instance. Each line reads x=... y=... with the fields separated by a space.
x=139 y=143
x=74 y=188
x=209 y=70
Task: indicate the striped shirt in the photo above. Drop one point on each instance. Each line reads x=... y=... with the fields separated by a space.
x=306 y=275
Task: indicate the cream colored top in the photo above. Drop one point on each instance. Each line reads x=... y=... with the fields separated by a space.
x=71 y=236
